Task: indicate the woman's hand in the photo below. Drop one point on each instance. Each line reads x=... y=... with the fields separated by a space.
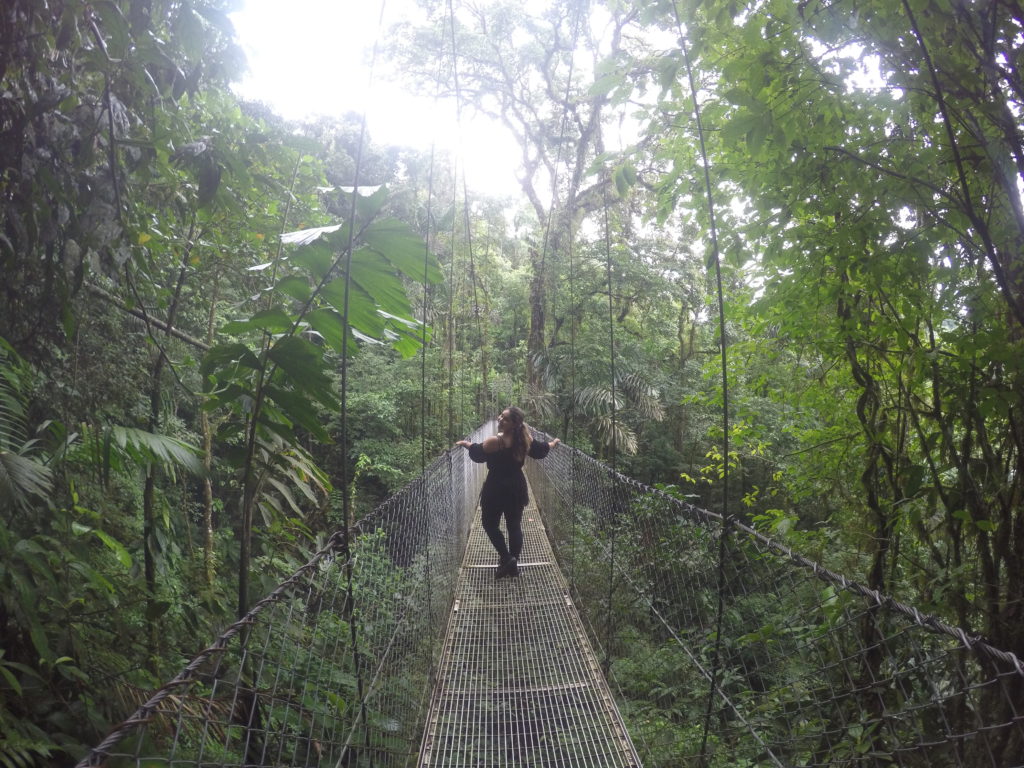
x=464 y=443
x=554 y=442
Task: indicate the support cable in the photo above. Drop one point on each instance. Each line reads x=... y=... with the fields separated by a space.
x=723 y=341
x=465 y=213
x=346 y=495
x=570 y=235
x=453 y=434
x=428 y=559
x=428 y=529
x=613 y=521
x=562 y=130
x=466 y=220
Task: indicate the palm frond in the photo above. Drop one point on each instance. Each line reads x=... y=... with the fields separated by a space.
x=548 y=368
x=118 y=448
x=147 y=447
x=596 y=400
x=613 y=432
x=649 y=407
x=23 y=478
x=635 y=385
x=641 y=396
x=541 y=405
x=12 y=410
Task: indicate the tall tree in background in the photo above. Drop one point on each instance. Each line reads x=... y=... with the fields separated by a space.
x=532 y=74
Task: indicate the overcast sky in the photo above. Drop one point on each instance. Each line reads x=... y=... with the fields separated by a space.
x=302 y=55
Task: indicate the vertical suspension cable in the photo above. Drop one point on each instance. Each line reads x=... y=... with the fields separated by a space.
x=428 y=529
x=452 y=433
x=456 y=167
x=571 y=421
x=563 y=128
x=449 y=362
x=723 y=342
x=609 y=624
x=569 y=210
x=346 y=496
x=423 y=373
x=476 y=301
x=466 y=218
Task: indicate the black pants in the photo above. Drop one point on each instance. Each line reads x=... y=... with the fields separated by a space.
x=491 y=517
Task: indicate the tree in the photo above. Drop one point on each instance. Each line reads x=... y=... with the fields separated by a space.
x=525 y=73
x=882 y=219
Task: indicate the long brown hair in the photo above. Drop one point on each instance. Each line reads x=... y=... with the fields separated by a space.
x=519 y=432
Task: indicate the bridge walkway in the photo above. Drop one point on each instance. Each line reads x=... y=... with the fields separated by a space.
x=518 y=682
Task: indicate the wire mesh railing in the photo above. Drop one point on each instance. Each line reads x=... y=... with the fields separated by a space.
x=335 y=666
x=811 y=669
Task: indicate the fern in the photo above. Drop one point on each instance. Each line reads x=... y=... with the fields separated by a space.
x=22 y=476
x=120 y=449
x=612 y=431
x=16 y=752
x=12 y=410
x=22 y=744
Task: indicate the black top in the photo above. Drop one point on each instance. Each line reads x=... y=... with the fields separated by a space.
x=505 y=481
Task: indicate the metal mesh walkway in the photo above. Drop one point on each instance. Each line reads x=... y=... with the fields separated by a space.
x=519 y=684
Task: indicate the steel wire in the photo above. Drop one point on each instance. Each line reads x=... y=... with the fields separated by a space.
x=814 y=668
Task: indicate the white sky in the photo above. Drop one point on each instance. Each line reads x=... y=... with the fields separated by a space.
x=312 y=57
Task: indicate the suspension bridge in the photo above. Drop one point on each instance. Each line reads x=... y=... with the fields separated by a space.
x=642 y=630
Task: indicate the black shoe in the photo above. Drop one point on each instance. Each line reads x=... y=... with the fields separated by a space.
x=507 y=567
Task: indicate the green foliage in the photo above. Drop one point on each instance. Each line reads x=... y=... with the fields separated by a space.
x=23 y=475
x=126 y=449
x=138 y=196
x=865 y=163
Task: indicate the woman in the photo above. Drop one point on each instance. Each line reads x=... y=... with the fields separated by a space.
x=504 y=491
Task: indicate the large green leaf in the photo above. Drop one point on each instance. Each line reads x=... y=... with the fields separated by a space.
x=317 y=259
x=329 y=324
x=362 y=310
x=299 y=410
x=308 y=236
x=304 y=365
x=286 y=494
x=295 y=286
x=372 y=273
x=273 y=320
x=399 y=244
x=225 y=356
x=407 y=336
x=368 y=205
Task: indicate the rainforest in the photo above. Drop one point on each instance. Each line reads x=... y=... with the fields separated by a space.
x=766 y=257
